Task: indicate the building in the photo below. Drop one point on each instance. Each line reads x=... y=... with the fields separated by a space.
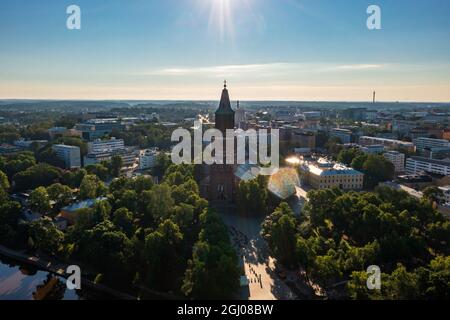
x=220 y=183
x=304 y=140
x=417 y=165
x=148 y=159
x=110 y=145
x=428 y=143
x=344 y=135
x=397 y=159
x=129 y=157
x=58 y=132
x=71 y=155
x=7 y=149
x=389 y=144
x=27 y=144
x=372 y=149
x=70 y=212
x=323 y=174
x=240 y=118
x=98 y=128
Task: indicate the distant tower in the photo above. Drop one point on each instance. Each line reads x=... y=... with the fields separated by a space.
x=374 y=96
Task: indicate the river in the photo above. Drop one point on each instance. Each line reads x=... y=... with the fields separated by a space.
x=19 y=282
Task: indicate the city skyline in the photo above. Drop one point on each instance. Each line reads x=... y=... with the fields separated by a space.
x=267 y=50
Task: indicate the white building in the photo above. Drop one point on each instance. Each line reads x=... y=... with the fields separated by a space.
x=102 y=146
x=417 y=165
x=397 y=159
x=71 y=155
x=148 y=159
x=428 y=143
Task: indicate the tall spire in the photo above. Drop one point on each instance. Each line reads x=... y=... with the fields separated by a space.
x=225 y=104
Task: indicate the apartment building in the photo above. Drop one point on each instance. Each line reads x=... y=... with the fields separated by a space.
x=417 y=165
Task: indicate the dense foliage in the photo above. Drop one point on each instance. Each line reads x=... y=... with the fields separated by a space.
x=341 y=234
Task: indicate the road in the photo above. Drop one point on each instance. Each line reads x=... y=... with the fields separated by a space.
x=259 y=266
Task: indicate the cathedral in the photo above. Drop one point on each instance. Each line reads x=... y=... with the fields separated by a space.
x=219 y=181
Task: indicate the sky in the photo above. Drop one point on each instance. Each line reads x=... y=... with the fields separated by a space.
x=304 y=50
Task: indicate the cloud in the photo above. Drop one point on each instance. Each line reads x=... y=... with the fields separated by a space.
x=220 y=71
x=261 y=69
x=360 y=67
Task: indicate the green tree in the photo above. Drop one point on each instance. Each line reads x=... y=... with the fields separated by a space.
x=280 y=229
x=164 y=254
x=91 y=187
x=62 y=195
x=116 y=166
x=45 y=236
x=123 y=219
x=377 y=169
x=40 y=201
x=433 y=194
x=4 y=183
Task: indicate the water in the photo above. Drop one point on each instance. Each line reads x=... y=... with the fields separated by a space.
x=18 y=282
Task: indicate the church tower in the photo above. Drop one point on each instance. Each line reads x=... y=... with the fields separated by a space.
x=224 y=114
x=222 y=179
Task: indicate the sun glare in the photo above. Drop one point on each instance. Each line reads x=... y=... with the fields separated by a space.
x=223 y=15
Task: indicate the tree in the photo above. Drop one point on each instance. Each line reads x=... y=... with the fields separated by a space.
x=433 y=194
x=279 y=229
x=252 y=197
x=116 y=166
x=164 y=254
x=99 y=170
x=91 y=187
x=107 y=249
x=45 y=236
x=40 y=175
x=4 y=183
x=40 y=201
x=213 y=272
x=123 y=219
x=377 y=169
x=160 y=202
x=62 y=195
x=73 y=179
x=346 y=156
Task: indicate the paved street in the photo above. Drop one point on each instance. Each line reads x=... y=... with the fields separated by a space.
x=259 y=266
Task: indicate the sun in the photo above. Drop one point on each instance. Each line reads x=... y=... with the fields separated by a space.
x=223 y=15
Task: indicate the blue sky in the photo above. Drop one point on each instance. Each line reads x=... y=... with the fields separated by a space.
x=266 y=49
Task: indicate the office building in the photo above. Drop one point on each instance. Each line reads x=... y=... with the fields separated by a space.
x=101 y=146
x=417 y=165
x=69 y=154
x=428 y=143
